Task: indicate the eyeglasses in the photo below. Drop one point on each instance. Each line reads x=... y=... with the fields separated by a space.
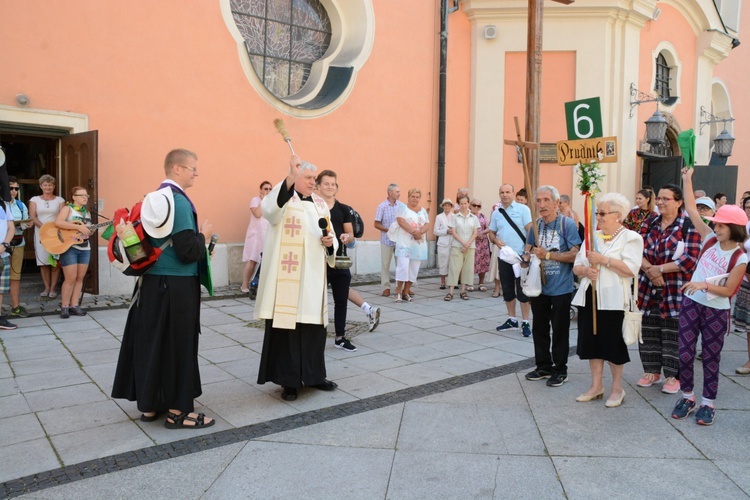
x=476 y=206
x=14 y=188
x=84 y=195
x=663 y=200
x=602 y=214
x=267 y=189
x=704 y=208
x=193 y=169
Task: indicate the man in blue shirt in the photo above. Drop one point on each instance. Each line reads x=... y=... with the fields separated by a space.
x=557 y=248
x=505 y=232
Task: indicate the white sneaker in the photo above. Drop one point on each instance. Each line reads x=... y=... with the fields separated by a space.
x=374 y=317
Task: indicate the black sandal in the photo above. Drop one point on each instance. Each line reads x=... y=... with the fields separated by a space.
x=178 y=421
x=149 y=418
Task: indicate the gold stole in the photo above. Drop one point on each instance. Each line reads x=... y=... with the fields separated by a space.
x=290 y=264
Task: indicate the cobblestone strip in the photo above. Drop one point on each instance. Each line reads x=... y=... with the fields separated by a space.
x=153 y=454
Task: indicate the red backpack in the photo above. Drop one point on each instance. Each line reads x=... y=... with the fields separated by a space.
x=121 y=256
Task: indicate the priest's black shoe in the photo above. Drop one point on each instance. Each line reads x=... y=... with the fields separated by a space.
x=289 y=394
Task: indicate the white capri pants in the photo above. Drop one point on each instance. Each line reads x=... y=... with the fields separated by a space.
x=407 y=269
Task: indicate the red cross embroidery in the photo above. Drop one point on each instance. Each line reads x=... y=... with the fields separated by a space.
x=293 y=226
x=290 y=263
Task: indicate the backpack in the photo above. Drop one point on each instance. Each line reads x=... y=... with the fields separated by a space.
x=357 y=223
x=123 y=258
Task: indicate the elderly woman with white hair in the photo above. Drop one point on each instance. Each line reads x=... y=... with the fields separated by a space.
x=611 y=268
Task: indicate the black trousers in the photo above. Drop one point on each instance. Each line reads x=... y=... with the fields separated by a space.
x=551 y=311
x=340 y=280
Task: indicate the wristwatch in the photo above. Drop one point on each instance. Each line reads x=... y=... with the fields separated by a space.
x=609 y=262
x=661 y=269
x=547 y=257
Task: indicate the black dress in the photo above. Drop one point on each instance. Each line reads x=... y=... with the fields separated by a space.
x=607 y=344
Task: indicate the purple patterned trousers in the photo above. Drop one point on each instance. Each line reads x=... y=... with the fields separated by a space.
x=711 y=324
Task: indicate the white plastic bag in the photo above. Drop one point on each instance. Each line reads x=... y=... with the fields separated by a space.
x=531 y=278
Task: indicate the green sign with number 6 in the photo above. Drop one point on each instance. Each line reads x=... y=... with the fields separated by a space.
x=584 y=118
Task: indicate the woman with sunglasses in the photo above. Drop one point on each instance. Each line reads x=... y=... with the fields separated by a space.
x=609 y=271
x=75 y=260
x=482 y=250
x=20 y=212
x=255 y=237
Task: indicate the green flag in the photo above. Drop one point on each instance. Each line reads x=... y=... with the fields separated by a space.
x=686 y=141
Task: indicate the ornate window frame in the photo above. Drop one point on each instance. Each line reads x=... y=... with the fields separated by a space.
x=332 y=77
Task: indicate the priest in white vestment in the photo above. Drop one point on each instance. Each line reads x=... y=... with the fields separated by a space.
x=292 y=295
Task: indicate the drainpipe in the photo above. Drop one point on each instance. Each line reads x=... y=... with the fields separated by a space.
x=444 y=11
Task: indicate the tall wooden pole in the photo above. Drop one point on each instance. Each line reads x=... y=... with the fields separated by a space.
x=534 y=84
x=534 y=88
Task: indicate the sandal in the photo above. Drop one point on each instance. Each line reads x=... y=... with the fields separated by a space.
x=469 y=288
x=495 y=294
x=464 y=295
x=482 y=288
x=178 y=421
x=244 y=290
x=398 y=297
x=149 y=418
x=448 y=297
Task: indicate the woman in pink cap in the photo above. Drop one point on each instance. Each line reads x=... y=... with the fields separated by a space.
x=705 y=305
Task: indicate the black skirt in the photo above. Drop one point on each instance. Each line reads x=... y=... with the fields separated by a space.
x=158 y=363
x=293 y=358
x=607 y=344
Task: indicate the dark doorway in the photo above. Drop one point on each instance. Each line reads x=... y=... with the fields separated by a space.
x=660 y=170
x=33 y=153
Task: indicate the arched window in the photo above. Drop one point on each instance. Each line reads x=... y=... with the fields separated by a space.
x=661 y=83
x=283 y=39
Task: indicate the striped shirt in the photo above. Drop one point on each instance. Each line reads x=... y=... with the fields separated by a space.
x=386 y=215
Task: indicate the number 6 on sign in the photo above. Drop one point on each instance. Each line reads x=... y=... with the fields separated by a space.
x=584 y=118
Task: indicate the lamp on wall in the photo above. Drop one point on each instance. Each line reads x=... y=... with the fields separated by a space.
x=656 y=126
x=724 y=142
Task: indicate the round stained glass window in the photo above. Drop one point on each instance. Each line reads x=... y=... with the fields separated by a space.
x=283 y=39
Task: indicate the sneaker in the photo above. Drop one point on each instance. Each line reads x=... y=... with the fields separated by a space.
x=343 y=343
x=77 y=311
x=19 y=311
x=649 y=379
x=374 y=317
x=705 y=415
x=557 y=380
x=538 y=375
x=683 y=408
x=64 y=313
x=510 y=324
x=6 y=325
x=671 y=386
x=526 y=329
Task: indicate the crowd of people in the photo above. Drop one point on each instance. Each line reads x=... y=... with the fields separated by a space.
x=677 y=256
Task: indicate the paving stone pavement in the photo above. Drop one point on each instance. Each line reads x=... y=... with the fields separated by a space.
x=432 y=405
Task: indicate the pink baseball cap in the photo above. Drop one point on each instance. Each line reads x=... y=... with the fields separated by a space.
x=730 y=214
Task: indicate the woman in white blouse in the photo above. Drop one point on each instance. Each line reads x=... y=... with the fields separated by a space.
x=612 y=268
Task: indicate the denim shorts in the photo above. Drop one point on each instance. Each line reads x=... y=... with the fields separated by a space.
x=75 y=256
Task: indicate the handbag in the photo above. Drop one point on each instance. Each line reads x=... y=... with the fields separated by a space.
x=531 y=278
x=17 y=240
x=631 y=324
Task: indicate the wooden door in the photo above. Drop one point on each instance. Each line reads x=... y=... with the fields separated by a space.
x=79 y=153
